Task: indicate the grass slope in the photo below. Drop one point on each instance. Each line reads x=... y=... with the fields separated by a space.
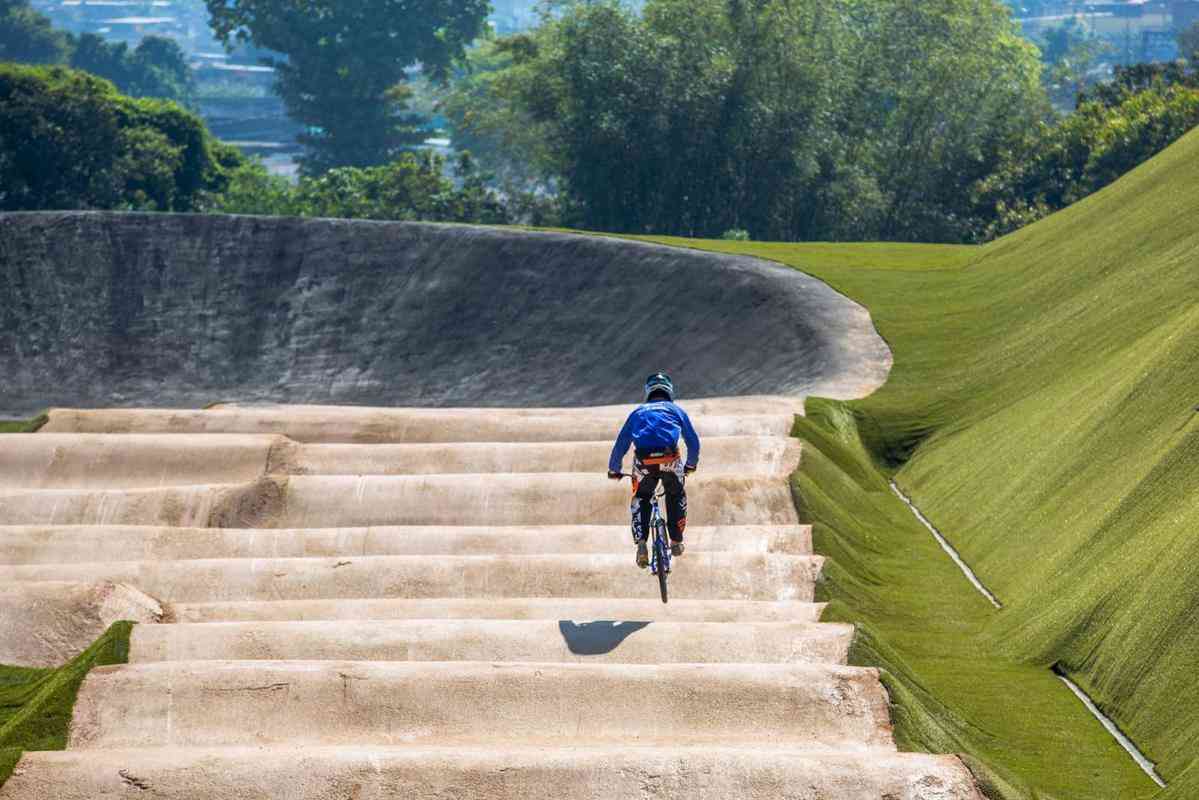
x=1042 y=412
x=36 y=704
x=23 y=425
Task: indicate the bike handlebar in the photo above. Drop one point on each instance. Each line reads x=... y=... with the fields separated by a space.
x=627 y=475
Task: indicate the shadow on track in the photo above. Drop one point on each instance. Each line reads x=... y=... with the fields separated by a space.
x=597 y=638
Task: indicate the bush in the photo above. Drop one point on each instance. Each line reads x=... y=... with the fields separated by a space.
x=26 y=35
x=413 y=187
x=157 y=67
x=1101 y=140
x=69 y=140
x=735 y=235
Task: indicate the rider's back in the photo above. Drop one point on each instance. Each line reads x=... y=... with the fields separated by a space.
x=656 y=426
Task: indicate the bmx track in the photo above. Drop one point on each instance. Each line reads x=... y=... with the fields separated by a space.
x=358 y=602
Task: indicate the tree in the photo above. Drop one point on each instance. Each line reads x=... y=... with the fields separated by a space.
x=69 y=140
x=344 y=63
x=1188 y=43
x=1070 y=55
x=953 y=85
x=27 y=36
x=157 y=67
x=1120 y=126
x=504 y=139
x=791 y=119
x=161 y=70
x=1127 y=81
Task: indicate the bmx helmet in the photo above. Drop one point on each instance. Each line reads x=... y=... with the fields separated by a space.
x=659 y=382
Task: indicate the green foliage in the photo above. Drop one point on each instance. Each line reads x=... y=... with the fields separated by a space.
x=253 y=190
x=1129 y=80
x=36 y=704
x=1057 y=43
x=27 y=36
x=792 y=119
x=1048 y=379
x=413 y=187
x=345 y=65
x=1188 y=43
x=1115 y=127
x=735 y=235
x=1071 y=56
x=157 y=67
x=481 y=120
x=70 y=140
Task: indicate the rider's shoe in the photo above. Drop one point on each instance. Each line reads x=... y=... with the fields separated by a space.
x=642 y=555
x=677 y=548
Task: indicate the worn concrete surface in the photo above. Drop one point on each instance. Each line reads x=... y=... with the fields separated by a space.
x=74 y=544
x=761 y=771
x=203 y=704
x=755 y=416
x=190 y=309
x=355 y=608
x=47 y=623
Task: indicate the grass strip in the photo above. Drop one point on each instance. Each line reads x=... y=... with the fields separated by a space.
x=924 y=625
x=36 y=704
x=24 y=425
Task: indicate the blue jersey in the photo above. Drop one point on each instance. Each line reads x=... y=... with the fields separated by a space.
x=655 y=426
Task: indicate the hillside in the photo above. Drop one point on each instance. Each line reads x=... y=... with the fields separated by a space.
x=1041 y=412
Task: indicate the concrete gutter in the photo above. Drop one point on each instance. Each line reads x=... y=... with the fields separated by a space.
x=1108 y=723
x=948 y=548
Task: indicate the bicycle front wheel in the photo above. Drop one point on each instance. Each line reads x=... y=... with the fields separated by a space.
x=663 y=556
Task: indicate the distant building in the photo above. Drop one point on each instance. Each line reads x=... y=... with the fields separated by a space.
x=1138 y=30
x=132 y=20
x=1184 y=13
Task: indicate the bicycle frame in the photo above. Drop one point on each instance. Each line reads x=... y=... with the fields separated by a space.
x=660 y=553
x=659 y=564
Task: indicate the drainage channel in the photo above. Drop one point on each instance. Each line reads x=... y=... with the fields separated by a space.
x=1108 y=723
x=947 y=547
x=1144 y=763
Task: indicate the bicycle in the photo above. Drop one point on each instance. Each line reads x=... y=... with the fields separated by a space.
x=659 y=557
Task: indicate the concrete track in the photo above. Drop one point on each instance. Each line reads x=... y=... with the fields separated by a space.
x=581 y=772
x=117 y=309
x=375 y=603
x=751 y=416
x=129 y=461
x=74 y=544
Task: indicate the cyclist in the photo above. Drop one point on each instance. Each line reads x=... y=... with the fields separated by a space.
x=653 y=429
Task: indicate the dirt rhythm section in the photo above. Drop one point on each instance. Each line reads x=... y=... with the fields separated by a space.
x=105 y=309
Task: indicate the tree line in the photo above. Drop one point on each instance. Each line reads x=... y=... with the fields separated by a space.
x=157 y=67
x=70 y=140
x=911 y=120
x=917 y=120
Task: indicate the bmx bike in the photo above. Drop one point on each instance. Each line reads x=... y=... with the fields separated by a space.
x=659 y=544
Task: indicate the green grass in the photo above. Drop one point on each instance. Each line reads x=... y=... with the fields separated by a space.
x=36 y=704
x=24 y=425
x=919 y=619
x=1041 y=411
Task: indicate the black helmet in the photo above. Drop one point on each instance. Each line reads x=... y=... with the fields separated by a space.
x=659 y=382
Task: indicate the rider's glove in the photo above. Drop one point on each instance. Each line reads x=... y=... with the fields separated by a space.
x=614 y=475
x=689 y=468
